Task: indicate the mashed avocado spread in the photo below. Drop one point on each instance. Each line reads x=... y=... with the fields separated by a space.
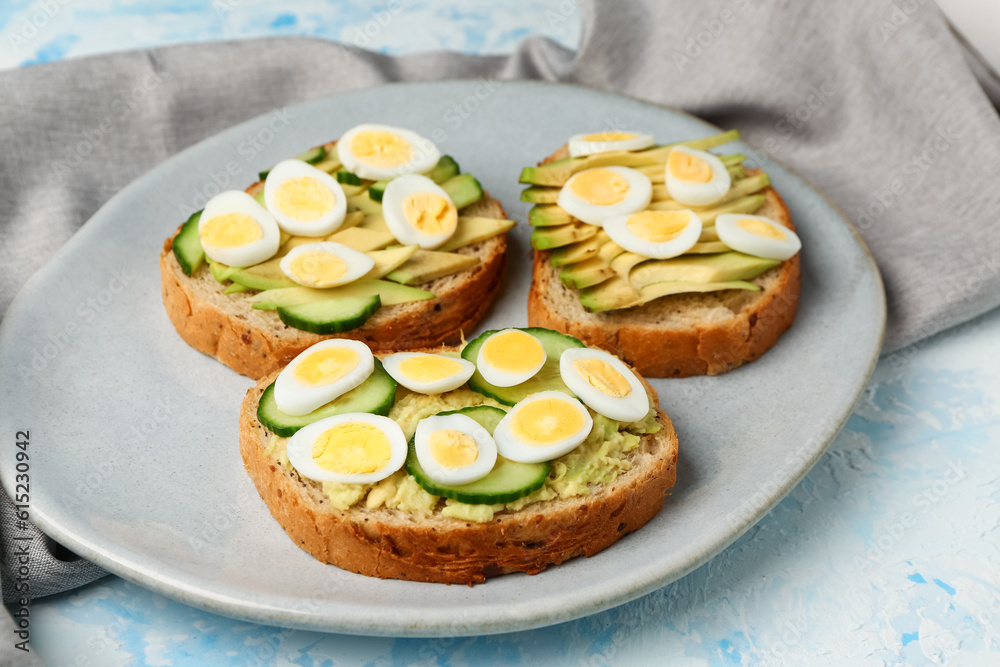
x=599 y=460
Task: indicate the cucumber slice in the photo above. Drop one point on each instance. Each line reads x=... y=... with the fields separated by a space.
x=187 y=246
x=444 y=170
x=463 y=189
x=332 y=316
x=375 y=395
x=507 y=482
x=377 y=189
x=311 y=156
x=547 y=378
x=348 y=178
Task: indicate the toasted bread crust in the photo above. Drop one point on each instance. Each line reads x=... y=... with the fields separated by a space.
x=224 y=331
x=392 y=544
x=651 y=344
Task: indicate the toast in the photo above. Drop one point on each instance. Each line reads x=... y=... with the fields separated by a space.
x=398 y=544
x=681 y=335
x=256 y=342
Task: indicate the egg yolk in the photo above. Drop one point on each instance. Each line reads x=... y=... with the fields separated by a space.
x=609 y=136
x=603 y=377
x=690 y=168
x=232 y=230
x=429 y=368
x=430 y=213
x=658 y=226
x=326 y=365
x=453 y=449
x=546 y=421
x=600 y=187
x=352 y=448
x=761 y=228
x=304 y=198
x=378 y=148
x=318 y=267
x=513 y=352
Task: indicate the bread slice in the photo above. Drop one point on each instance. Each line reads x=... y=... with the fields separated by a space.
x=256 y=342
x=683 y=334
x=394 y=544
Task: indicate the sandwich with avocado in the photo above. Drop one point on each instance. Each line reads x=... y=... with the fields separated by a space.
x=677 y=258
x=517 y=451
x=376 y=237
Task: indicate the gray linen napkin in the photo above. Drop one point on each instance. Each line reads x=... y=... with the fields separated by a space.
x=870 y=100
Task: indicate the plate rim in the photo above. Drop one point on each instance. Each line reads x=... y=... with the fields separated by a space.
x=639 y=583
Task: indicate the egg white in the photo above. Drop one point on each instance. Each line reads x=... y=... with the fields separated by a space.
x=392 y=362
x=619 y=231
x=300 y=446
x=640 y=193
x=698 y=194
x=328 y=222
x=485 y=459
x=499 y=377
x=424 y=154
x=392 y=210
x=629 y=408
x=580 y=146
x=510 y=447
x=737 y=238
x=297 y=398
x=358 y=263
x=236 y=201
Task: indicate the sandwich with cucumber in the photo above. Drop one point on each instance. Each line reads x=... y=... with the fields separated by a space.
x=376 y=237
x=517 y=451
x=676 y=257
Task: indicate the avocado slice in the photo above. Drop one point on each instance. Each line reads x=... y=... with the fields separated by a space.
x=719 y=268
x=656 y=290
x=390 y=259
x=362 y=239
x=540 y=195
x=544 y=238
x=220 y=272
x=426 y=265
x=579 y=251
x=361 y=202
x=707 y=248
x=558 y=172
x=586 y=273
x=389 y=293
x=374 y=222
x=609 y=251
x=264 y=276
x=615 y=292
x=548 y=215
x=625 y=262
x=473 y=229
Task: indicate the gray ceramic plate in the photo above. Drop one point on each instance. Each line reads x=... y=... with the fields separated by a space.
x=134 y=453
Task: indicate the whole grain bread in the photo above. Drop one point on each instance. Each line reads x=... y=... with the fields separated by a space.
x=683 y=334
x=395 y=544
x=256 y=342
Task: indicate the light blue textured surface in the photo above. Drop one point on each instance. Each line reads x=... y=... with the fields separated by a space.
x=886 y=554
